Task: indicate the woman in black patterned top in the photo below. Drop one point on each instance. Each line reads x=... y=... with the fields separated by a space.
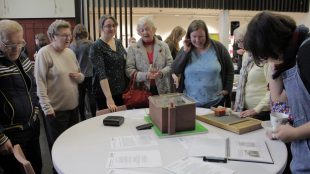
x=108 y=58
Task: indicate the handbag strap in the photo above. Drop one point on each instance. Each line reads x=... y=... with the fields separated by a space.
x=132 y=83
x=133 y=80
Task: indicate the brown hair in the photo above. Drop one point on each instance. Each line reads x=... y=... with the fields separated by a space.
x=194 y=26
x=79 y=32
x=104 y=18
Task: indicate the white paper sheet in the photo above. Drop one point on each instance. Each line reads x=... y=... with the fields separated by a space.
x=123 y=142
x=122 y=171
x=195 y=166
x=134 y=159
x=199 y=146
x=136 y=113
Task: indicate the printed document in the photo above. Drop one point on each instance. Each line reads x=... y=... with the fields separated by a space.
x=196 y=166
x=123 y=142
x=134 y=159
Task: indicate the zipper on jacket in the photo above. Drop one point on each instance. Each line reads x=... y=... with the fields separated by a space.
x=29 y=96
x=10 y=106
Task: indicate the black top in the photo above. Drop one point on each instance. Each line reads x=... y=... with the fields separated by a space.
x=173 y=49
x=109 y=64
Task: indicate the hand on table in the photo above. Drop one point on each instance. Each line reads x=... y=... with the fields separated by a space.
x=248 y=113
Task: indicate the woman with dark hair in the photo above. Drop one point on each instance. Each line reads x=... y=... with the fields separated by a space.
x=80 y=46
x=276 y=39
x=205 y=67
x=108 y=57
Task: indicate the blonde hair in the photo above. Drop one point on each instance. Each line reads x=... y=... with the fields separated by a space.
x=175 y=35
x=8 y=27
x=56 y=26
x=145 y=20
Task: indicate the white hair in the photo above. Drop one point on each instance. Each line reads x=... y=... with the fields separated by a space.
x=239 y=33
x=8 y=27
x=146 y=20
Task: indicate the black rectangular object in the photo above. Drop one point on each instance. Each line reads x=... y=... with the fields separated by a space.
x=144 y=126
x=113 y=121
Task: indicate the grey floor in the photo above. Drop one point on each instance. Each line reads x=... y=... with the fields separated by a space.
x=47 y=167
x=46 y=157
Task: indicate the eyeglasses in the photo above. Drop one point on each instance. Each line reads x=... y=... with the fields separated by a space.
x=110 y=26
x=14 y=46
x=65 y=36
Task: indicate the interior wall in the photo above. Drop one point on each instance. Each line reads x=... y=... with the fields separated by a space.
x=34 y=26
x=166 y=19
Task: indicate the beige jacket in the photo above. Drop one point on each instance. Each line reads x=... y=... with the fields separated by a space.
x=137 y=60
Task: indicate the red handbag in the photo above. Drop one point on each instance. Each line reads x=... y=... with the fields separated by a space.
x=134 y=96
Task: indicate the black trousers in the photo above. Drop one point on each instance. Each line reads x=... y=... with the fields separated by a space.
x=58 y=124
x=29 y=141
x=86 y=88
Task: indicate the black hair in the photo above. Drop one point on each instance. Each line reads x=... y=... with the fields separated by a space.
x=268 y=36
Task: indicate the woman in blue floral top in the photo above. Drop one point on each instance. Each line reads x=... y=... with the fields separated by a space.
x=108 y=58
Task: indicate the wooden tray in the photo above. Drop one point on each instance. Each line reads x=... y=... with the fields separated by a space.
x=231 y=123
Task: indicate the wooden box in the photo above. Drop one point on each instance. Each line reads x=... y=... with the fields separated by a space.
x=231 y=123
x=172 y=112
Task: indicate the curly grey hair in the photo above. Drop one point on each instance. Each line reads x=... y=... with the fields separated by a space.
x=145 y=20
x=55 y=27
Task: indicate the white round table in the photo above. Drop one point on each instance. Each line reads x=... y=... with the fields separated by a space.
x=84 y=148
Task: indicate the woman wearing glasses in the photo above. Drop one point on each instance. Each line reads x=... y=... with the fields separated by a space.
x=58 y=75
x=108 y=57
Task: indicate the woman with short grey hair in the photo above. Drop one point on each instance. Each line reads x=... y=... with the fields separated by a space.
x=150 y=59
x=57 y=76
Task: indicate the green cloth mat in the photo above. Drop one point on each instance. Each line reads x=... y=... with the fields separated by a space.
x=198 y=129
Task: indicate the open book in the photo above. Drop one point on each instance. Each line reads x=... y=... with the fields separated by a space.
x=223 y=149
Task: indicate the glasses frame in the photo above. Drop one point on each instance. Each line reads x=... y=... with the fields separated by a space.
x=14 y=46
x=109 y=26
